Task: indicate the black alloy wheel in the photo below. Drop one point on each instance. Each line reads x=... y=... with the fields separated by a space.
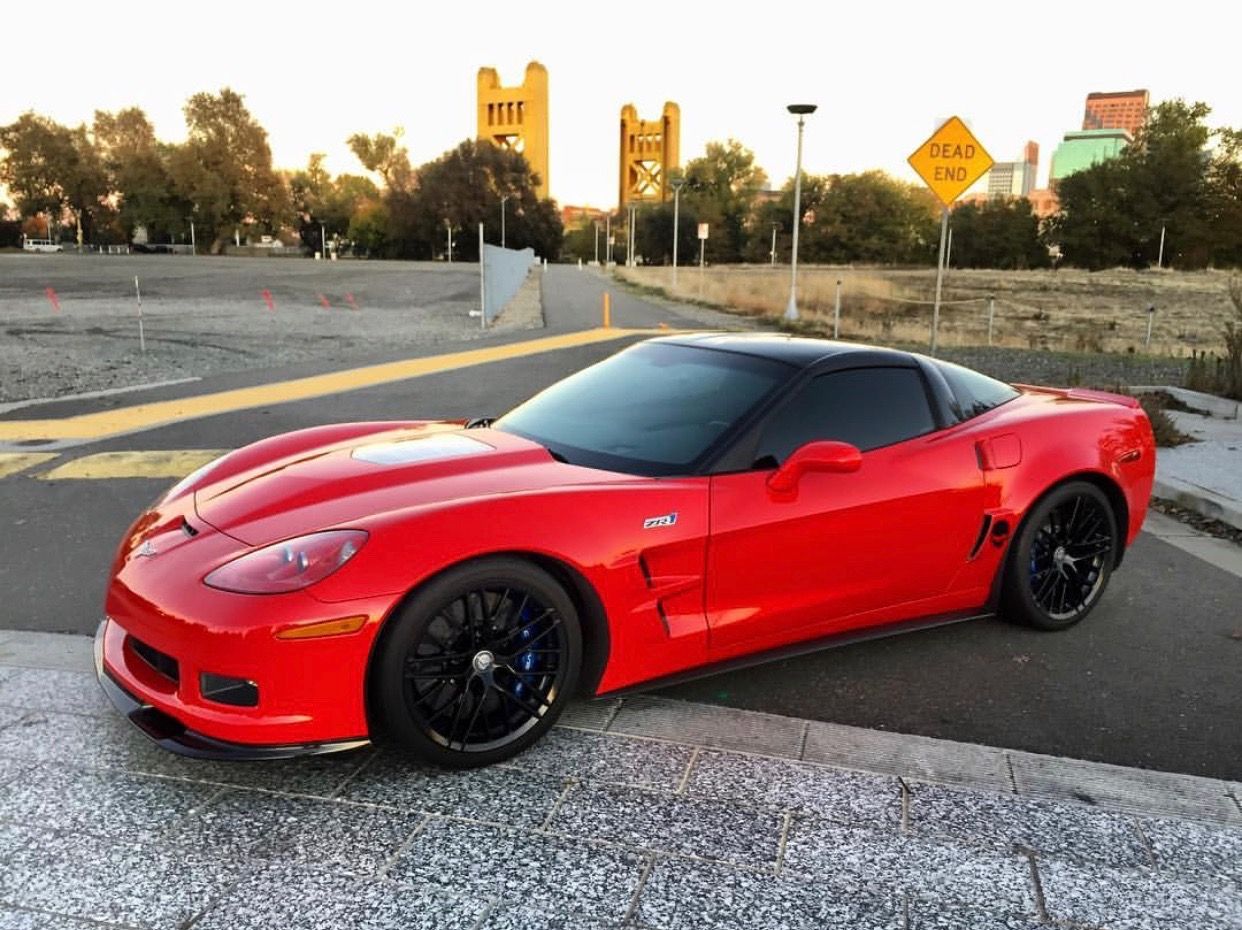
x=1062 y=559
x=479 y=664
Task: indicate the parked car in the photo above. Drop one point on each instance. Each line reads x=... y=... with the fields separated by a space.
x=41 y=245
x=693 y=503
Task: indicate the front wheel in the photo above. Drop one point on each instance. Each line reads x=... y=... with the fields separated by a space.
x=1062 y=559
x=478 y=664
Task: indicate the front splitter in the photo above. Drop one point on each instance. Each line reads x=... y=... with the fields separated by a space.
x=169 y=733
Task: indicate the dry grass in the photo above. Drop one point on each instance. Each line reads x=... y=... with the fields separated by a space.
x=1066 y=310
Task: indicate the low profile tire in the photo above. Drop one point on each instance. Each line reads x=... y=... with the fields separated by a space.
x=1060 y=563
x=478 y=664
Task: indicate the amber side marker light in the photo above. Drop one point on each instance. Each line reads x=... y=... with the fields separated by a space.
x=323 y=628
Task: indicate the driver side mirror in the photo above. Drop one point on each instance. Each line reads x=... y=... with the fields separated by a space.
x=820 y=455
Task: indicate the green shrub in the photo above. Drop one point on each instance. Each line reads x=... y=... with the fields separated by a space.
x=1222 y=375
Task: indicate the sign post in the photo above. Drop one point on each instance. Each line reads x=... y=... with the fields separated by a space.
x=702 y=246
x=142 y=334
x=948 y=162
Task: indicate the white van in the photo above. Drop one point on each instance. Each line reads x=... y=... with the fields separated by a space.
x=41 y=245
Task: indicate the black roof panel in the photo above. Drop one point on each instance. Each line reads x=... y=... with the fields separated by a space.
x=799 y=351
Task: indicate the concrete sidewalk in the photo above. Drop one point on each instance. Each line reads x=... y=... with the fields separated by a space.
x=1206 y=475
x=638 y=813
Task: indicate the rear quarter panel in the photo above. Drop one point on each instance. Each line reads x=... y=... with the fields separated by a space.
x=1062 y=437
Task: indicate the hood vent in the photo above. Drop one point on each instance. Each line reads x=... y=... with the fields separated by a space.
x=421 y=449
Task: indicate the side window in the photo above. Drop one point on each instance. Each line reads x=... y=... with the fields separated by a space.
x=867 y=407
x=975 y=393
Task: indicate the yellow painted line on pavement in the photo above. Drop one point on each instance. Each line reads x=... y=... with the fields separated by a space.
x=13 y=462
x=144 y=416
x=162 y=463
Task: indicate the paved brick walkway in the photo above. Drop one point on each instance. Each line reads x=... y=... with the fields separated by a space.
x=645 y=813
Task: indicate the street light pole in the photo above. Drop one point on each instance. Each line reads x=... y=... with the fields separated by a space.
x=631 y=238
x=800 y=110
x=448 y=231
x=772 y=254
x=596 y=224
x=502 y=219
x=608 y=239
x=1160 y=257
x=676 y=184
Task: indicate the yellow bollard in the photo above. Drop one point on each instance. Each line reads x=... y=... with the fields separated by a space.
x=607 y=310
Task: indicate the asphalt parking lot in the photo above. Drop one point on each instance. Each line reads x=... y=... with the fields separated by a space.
x=1150 y=680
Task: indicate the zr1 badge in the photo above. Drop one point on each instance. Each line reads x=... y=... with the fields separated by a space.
x=667 y=519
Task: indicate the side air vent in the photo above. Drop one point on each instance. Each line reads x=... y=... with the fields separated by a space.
x=982 y=537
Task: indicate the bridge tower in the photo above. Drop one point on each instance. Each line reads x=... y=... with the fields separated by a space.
x=650 y=150
x=517 y=117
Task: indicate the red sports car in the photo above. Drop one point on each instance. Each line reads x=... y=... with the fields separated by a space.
x=692 y=503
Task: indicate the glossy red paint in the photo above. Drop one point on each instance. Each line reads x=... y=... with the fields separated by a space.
x=743 y=567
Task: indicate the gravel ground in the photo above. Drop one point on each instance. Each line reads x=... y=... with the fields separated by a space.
x=206 y=316
x=1063 y=369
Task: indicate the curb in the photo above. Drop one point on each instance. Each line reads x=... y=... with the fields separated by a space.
x=909 y=757
x=1210 y=404
x=1200 y=500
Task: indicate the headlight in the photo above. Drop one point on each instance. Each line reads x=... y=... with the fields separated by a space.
x=290 y=565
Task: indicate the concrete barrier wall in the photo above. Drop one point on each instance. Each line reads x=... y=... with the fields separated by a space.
x=504 y=270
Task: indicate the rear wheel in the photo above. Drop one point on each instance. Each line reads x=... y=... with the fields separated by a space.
x=1061 y=561
x=478 y=664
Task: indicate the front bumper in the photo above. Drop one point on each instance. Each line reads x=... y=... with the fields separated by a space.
x=169 y=733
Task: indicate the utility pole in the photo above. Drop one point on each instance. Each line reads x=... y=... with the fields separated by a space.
x=1160 y=257
x=676 y=184
x=608 y=239
x=800 y=110
x=596 y=223
x=772 y=254
x=503 y=200
x=448 y=230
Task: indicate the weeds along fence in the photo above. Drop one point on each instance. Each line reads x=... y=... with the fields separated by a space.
x=878 y=306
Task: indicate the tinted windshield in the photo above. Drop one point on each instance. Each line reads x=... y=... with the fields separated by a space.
x=654 y=409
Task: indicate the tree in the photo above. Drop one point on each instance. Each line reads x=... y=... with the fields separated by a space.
x=1224 y=182
x=461 y=189
x=1002 y=233
x=653 y=235
x=720 y=190
x=50 y=168
x=324 y=205
x=137 y=165
x=1113 y=212
x=384 y=154
x=225 y=168
x=866 y=217
x=10 y=228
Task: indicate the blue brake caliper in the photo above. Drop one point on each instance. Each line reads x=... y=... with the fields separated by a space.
x=525 y=661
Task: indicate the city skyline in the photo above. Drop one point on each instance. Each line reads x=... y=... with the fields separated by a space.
x=883 y=77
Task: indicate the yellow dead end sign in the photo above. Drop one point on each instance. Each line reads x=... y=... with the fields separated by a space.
x=951 y=160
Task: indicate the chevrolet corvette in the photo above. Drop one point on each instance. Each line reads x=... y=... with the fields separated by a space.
x=693 y=503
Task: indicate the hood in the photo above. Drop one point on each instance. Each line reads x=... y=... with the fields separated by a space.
x=347 y=483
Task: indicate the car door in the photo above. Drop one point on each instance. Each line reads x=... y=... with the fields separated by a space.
x=843 y=549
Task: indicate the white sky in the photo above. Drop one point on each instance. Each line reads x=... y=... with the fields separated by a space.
x=881 y=72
